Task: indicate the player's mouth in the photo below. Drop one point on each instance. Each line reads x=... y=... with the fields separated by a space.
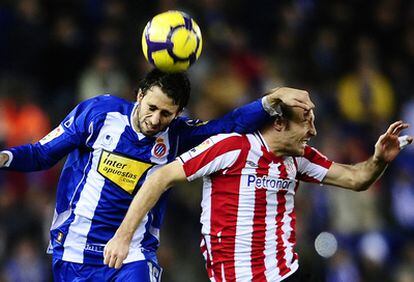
x=151 y=127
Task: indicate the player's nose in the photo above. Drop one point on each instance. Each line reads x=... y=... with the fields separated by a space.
x=312 y=131
x=155 y=119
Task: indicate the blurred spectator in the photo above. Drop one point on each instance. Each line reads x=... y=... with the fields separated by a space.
x=66 y=55
x=405 y=270
x=25 y=263
x=28 y=38
x=342 y=268
x=402 y=199
x=102 y=77
x=366 y=95
x=374 y=251
x=352 y=213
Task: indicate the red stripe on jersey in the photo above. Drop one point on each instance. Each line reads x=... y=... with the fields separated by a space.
x=292 y=215
x=228 y=144
x=307 y=178
x=280 y=245
x=224 y=209
x=259 y=224
x=281 y=209
x=316 y=157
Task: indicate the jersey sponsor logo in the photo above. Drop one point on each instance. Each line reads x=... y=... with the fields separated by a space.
x=55 y=133
x=123 y=171
x=269 y=183
x=251 y=164
x=201 y=147
x=69 y=122
x=160 y=149
x=108 y=140
x=59 y=237
x=94 y=248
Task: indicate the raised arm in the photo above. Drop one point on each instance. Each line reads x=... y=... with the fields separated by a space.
x=245 y=119
x=362 y=175
x=116 y=250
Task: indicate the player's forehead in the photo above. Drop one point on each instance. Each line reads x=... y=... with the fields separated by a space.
x=154 y=96
x=301 y=114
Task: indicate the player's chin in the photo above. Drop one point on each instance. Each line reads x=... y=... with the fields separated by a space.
x=299 y=151
x=149 y=133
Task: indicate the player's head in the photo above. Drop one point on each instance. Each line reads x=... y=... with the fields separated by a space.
x=293 y=130
x=161 y=98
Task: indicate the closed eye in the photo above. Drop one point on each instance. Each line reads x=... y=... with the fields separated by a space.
x=166 y=113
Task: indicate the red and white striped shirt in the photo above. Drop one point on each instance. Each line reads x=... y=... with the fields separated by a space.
x=248 y=218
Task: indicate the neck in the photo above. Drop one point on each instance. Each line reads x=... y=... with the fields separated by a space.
x=135 y=120
x=274 y=141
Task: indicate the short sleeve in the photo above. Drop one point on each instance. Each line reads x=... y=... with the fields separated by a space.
x=312 y=166
x=214 y=154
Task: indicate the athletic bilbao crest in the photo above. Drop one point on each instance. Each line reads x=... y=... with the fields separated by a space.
x=160 y=149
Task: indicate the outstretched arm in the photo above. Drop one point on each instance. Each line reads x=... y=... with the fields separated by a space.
x=116 y=250
x=362 y=175
x=247 y=118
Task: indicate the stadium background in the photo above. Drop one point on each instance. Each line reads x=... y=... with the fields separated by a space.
x=356 y=58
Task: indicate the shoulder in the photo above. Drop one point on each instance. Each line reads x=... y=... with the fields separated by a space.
x=219 y=143
x=312 y=155
x=231 y=139
x=224 y=142
x=185 y=122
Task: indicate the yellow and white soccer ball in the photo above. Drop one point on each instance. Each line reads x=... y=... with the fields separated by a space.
x=172 y=41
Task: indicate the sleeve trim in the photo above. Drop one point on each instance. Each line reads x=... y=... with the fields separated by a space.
x=10 y=154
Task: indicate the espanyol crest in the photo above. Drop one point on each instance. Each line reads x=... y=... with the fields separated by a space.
x=160 y=149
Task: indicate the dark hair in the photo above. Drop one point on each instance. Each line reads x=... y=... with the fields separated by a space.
x=175 y=85
x=287 y=112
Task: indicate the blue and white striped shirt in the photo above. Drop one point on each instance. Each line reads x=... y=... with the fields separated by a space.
x=107 y=162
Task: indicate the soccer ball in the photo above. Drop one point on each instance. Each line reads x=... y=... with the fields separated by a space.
x=172 y=41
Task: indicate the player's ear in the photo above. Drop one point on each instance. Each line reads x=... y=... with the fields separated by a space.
x=279 y=124
x=178 y=113
x=140 y=95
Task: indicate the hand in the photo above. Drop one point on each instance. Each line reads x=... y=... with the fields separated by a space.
x=3 y=159
x=116 y=251
x=290 y=97
x=388 y=145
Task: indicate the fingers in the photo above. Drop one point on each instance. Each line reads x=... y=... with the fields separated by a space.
x=113 y=259
x=306 y=105
x=394 y=126
x=292 y=97
x=399 y=128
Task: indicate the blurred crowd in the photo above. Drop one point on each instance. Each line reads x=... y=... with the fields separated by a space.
x=356 y=58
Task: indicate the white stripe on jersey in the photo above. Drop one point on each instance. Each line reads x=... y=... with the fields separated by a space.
x=206 y=208
x=270 y=262
x=311 y=169
x=222 y=161
x=245 y=217
x=76 y=237
x=60 y=218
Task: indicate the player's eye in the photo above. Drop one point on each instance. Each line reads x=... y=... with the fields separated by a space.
x=166 y=114
x=152 y=108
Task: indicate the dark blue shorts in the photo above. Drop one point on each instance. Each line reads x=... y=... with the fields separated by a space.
x=142 y=271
